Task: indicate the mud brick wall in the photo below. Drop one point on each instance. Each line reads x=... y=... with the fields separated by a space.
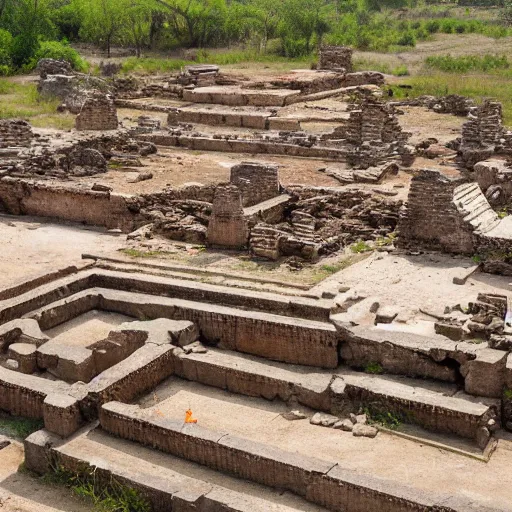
x=19 y=197
x=24 y=395
x=289 y=340
x=227 y=226
x=97 y=113
x=257 y=182
x=485 y=126
x=336 y=57
x=15 y=133
x=322 y=482
x=138 y=374
x=431 y=219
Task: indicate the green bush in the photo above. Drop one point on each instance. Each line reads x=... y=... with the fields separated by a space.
x=467 y=63
x=58 y=51
x=407 y=39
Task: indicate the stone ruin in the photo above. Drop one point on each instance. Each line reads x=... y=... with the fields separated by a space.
x=482 y=133
x=374 y=135
x=257 y=182
x=454 y=104
x=97 y=113
x=15 y=133
x=199 y=75
x=336 y=58
x=227 y=227
x=53 y=67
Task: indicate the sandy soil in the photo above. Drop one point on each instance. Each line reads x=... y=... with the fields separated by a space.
x=86 y=329
x=413 y=282
x=408 y=462
x=23 y=492
x=30 y=247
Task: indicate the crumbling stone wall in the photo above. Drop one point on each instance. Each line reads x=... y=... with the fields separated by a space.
x=482 y=133
x=485 y=126
x=15 y=133
x=431 y=219
x=98 y=113
x=374 y=133
x=336 y=58
x=257 y=182
x=227 y=227
x=53 y=67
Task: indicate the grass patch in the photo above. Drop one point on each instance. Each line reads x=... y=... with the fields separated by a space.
x=381 y=66
x=466 y=63
x=478 y=86
x=19 y=428
x=360 y=247
x=23 y=101
x=104 y=496
x=386 y=419
x=507 y=394
x=57 y=121
x=373 y=369
x=135 y=253
x=153 y=65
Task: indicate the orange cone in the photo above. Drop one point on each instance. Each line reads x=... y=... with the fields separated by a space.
x=189 y=418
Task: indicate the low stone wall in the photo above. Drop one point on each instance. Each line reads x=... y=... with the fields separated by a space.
x=318 y=481
x=97 y=113
x=243 y=146
x=15 y=133
x=20 y=197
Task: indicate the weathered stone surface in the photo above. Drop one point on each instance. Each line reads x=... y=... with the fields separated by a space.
x=360 y=430
x=227 y=226
x=98 y=113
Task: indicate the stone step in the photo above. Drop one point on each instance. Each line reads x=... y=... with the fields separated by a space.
x=280 y=463
x=436 y=407
x=281 y=338
x=478 y=368
x=167 y=482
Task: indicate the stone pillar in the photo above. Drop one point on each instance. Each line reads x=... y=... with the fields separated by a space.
x=98 y=113
x=257 y=182
x=228 y=227
x=336 y=58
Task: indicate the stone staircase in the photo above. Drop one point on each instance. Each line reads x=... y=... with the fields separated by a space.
x=266 y=356
x=473 y=205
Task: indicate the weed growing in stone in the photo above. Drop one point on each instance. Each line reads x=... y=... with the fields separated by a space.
x=104 y=496
x=19 y=427
x=386 y=419
x=360 y=247
x=374 y=368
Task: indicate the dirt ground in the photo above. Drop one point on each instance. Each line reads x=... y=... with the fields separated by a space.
x=31 y=246
x=21 y=491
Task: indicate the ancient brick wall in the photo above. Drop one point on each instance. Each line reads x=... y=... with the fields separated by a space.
x=431 y=219
x=227 y=227
x=336 y=57
x=257 y=182
x=19 y=197
x=485 y=126
x=15 y=133
x=97 y=113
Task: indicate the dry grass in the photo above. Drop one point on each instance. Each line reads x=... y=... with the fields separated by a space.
x=22 y=101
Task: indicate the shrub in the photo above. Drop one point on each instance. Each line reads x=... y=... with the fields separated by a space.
x=58 y=51
x=467 y=63
x=432 y=26
x=407 y=39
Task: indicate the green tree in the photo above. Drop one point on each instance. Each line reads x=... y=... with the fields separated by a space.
x=103 y=21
